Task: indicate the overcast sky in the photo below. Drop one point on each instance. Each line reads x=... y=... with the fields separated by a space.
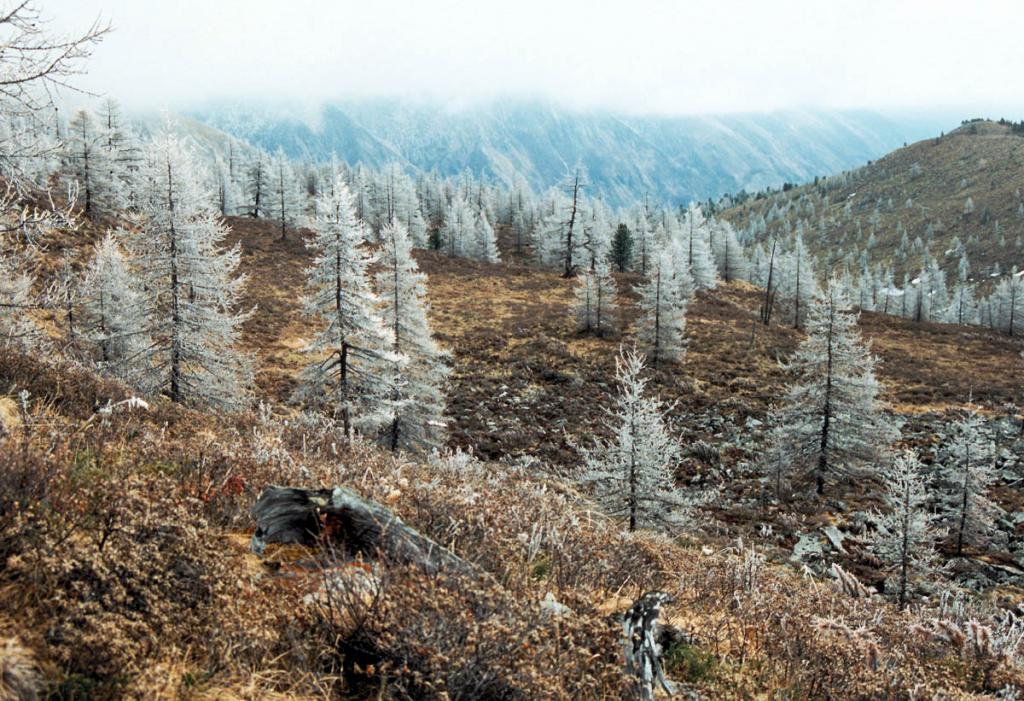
x=689 y=56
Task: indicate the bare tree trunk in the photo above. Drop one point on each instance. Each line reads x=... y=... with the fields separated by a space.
x=292 y=515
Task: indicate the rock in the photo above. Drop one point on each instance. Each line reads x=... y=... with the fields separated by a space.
x=550 y=606
x=836 y=537
x=807 y=547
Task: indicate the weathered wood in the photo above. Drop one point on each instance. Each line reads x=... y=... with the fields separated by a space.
x=292 y=515
x=644 y=643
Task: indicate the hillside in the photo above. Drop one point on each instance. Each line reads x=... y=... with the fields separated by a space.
x=526 y=386
x=117 y=508
x=911 y=200
x=671 y=159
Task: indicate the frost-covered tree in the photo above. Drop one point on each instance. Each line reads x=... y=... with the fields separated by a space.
x=561 y=240
x=632 y=473
x=797 y=284
x=969 y=468
x=594 y=303
x=283 y=198
x=729 y=254
x=86 y=163
x=190 y=290
x=17 y=327
x=348 y=378
x=661 y=329
x=698 y=255
x=257 y=183
x=906 y=533
x=35 y=65
x=114 y=313
x=123 y=155
x=419 y=371
x=831 y=420
x=458 y=237
x=1006 y=302
x=228 y=192
x=485 y=242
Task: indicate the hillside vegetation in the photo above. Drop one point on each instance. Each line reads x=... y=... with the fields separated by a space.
x=949 y=195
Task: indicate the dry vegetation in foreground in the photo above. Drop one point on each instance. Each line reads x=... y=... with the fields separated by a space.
x=125 y=574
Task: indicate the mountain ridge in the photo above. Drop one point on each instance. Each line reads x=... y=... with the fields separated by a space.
x=671 y=159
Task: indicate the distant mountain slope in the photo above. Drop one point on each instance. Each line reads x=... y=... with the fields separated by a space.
x=672 y=159
x=911 y=201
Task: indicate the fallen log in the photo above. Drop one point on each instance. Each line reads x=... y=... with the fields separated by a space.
x=361 y=526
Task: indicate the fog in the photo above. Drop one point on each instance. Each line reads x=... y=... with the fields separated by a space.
x=641 y=56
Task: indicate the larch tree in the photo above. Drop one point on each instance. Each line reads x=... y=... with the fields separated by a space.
x=123 y=155
x=348 y=378
x=485 y=243
x=458 y=236
x=594 y=303
x=969 y=467
x=632 y=474
x=661 y=329
x=831 y=419
x=906 y=534
x=87 y=164
x=729 y=254
x=191 y=292
x=17 y=327
x=420 y=370
x=229 y=194
x=257 y=184
x=114 y=314
x=561 y=241
x=797 y=283
x=283 y=197
x=699 y=258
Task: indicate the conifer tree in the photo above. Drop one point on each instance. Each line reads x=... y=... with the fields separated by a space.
x=257 y=183
x=458 y=237
x=906 y=534
x=622 y=248
x=632 y=474
x=283 y=199
x=17 y=327
x=189 y=287
x=729 y=254
x=832 y=423
x=698 y=255
x=662 y=326
x=485 y=244
x=86 y=163
x=348 y=377
x=113 y=310
x=594 y=305
x=970 y=513
x=419 y=371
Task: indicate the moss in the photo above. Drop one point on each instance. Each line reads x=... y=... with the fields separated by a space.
x=690 y=663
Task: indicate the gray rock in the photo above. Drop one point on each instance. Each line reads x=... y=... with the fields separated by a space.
x=808 y=547
x=836 y=537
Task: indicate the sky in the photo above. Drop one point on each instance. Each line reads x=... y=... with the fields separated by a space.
x=640 y=56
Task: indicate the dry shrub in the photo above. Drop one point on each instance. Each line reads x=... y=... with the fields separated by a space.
x=19 y=676
x=441 y=636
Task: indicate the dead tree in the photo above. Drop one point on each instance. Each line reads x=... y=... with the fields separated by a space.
x=644 y=645
x=303 y=516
